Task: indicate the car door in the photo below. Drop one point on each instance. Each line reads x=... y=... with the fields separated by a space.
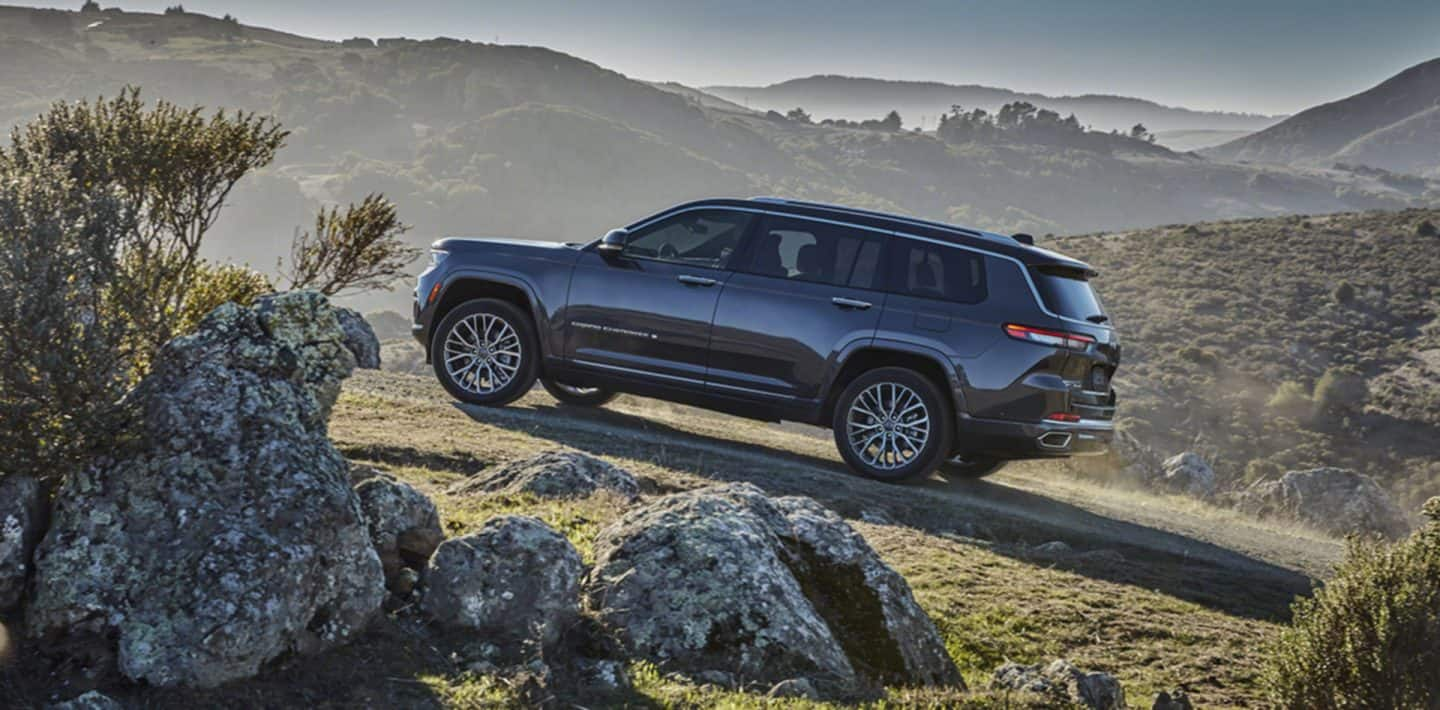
x=806 y=290
x=646 y=312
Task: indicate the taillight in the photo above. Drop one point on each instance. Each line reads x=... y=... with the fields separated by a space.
x=1063 y=417
x=1052 y=338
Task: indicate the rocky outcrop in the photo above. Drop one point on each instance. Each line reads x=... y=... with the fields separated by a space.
x=360 y=338
x=516 y=580
x=1336 y=500
x=1188 y=473
x=404 y=528
x=225 y=532
x=553 y=474
x=93 y=700
x=1172 y=700
x=21 y=516
x=725 y=580
x=1062 y=683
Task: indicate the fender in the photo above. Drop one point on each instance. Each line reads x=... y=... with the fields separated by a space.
x=508 y=278
x=951 y=370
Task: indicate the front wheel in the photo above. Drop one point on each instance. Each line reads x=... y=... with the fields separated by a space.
x=485 y=352
x=893 y=424
x=577 y=396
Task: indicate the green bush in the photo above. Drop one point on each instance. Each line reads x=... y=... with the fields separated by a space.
x=1291 y=400
x=214 y=285
x=1340 y=390
x=1370 y=638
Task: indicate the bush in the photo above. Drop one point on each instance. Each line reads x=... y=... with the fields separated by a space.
x=1291 y=400
x=213 y=286
x=1426 y=228
x=1340 y=390
x=1370 y=638
x=358 y=249
x=1344 y=294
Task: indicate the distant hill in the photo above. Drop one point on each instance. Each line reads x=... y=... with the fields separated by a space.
x=856 y=98
x=475 y=138
x=1393 y=126
x=1186 y=140
x=1216 y=318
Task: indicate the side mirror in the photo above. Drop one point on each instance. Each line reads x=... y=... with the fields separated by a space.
x=613 y=243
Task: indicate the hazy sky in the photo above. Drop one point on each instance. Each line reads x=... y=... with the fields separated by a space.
x=1242 y=55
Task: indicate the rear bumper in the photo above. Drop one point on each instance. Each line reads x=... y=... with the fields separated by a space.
x=1007 y=439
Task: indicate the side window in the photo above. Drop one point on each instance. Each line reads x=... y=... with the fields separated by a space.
x=935 y=271
x=704 y=238
x=817 y=252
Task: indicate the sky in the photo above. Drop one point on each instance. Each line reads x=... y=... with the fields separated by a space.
x=1263 y=56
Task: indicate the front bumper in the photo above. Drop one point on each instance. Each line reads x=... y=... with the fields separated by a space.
x=1007 y=439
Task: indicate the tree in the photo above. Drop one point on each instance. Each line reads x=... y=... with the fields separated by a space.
x=173 y=169
x=891 y=122
x=358 y=249
x=798 y=115
x=90 y=6
x=1139 y=132
x=175 y=10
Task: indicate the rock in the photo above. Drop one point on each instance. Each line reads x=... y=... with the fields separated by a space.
x=224 y=533
x=1172 y=700
x=404 y=527
x=360 y=473
x=360 y=338
x=602 y=674
x=1336 y=500
x=553 y=474
x=22 y=512
x=1189 y=474
x=719 y=679
x=726 y=579
x=794 y=688
x=876 y=517
x=514 y=580
x=1062 y=683
x=1054 y=547
x=93 y=700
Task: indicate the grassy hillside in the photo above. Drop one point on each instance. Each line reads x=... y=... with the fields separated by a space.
x=1391 y=126
x=1217 y=318
x=856 y=98
x=473 y=138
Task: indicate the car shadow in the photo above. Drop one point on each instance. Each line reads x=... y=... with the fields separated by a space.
x=1007 y=520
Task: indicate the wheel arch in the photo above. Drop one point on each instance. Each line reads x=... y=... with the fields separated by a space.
x=468 y=286
x=929 y=363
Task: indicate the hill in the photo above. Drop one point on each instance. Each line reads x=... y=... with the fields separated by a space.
x=475 y=138
x=1228 y=326
x=1392 y=126
x=856 y=98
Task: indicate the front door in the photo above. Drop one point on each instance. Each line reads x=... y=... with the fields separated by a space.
x=647 y=312
x=806 y=290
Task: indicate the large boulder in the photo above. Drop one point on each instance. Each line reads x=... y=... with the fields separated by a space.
x=1188 y=473
x=514 y=581
x=360 y=338
x=404 y=527
x=553 y=474
x=22 y=509
x=224 y=533
x=1063 y=684
x=1336 y=500
x=725 y=579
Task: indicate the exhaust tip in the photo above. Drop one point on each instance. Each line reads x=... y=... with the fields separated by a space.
x=1055 y=440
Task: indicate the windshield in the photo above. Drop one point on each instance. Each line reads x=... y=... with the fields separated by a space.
x=1068 y=293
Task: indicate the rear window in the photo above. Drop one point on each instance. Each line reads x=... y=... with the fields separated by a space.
x=1067 y=292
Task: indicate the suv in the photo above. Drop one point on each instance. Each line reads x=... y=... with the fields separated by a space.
x=922 y=345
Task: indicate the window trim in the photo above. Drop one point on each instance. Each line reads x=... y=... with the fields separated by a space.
x=740 y=245
x=1022 y=266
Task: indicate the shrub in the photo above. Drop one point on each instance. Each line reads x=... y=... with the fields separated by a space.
x=1344 y=294
x=358 y=249
x=215 y=285
x=1340 y=390
x=1370 y=638
x=1291 y=400
x=1426 y=228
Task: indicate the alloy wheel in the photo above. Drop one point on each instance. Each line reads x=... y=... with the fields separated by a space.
x=887 y=425
x=482 y=353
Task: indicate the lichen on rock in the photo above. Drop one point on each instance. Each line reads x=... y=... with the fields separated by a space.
x=553 y=474
x=21 y=516
x=225 y=532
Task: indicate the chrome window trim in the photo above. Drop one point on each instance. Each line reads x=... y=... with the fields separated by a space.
x=1029 y=280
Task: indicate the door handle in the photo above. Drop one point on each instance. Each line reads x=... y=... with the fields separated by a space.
x=689 y=280
x=850 y=303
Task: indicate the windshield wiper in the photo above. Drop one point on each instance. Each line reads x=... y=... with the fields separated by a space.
x=1098 y=318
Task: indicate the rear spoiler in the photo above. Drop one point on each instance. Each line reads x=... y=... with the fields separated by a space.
x=1025 y=239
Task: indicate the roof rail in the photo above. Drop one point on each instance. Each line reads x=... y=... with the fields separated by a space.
x=872 y=213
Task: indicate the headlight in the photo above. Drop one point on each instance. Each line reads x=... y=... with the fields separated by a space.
x=437 y=257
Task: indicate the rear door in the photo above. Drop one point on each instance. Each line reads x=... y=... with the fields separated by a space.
x=647 y=312
x=804 y=290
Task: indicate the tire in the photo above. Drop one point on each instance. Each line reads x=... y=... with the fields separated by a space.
x=973 y=468
x=480 y=380
x=577 y=396
x=898 y=457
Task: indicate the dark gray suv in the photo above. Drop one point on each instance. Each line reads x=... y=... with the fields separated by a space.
x=923 y=345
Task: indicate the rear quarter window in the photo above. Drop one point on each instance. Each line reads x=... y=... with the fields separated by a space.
x=935 y=271
x=1067 y=292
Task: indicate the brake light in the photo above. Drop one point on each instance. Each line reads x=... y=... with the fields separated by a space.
x=1063 y=417
x=1052 y=338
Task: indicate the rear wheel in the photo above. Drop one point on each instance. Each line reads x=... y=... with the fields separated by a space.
x=577 y=396
x=485 y=352
x=892 y=424
x=974 y=467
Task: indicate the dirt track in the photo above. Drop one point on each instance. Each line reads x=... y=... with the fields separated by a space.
x=1181 y=548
